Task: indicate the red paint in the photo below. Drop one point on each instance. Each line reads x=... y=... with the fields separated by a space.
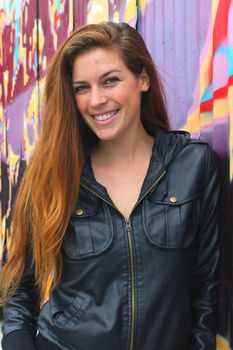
x=206 y=106
x=221 y=23
x=230 y=80
x=222 y=92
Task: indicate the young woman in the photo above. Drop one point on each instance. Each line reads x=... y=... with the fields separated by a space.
x=116 y=217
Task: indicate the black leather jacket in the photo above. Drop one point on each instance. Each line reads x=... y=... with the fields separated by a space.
x=146 y=283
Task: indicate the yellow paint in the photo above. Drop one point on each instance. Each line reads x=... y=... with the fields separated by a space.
x=193 y=122
x=44 y=63
x=206 y=119
x=12 y=161
x=220 y=109
x=23 y=57
x=71 y=17
x=25 y=75
x=222 y=343
x=142 y=5
x=41 y=39
x=41 y=89
x=6 y=20
x=131 y=10
x=41 y=36
x=215 y=5
x=230 y=105
x=116 y=17
x=98 y=11
x=6 y=79
x=62 y=6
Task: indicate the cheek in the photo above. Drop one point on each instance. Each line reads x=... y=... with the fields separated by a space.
x=122 y=97
x=128 y=95
x=133 y=101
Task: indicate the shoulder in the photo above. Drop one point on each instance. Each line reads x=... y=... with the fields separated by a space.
x=197 y=154
x=179 y=144
x=204 y=151
x=178 y=150
x=199 y=146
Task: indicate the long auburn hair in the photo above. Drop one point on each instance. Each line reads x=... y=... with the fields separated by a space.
x=50 y=185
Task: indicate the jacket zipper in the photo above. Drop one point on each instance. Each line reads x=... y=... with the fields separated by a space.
x=130 y=243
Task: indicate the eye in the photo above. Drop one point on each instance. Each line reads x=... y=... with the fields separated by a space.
x=79 y=89
x=111 y=80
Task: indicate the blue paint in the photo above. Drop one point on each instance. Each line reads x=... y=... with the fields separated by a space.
x=58 y=6
x=207 y=94
x=17 y=36
x=35 y=63
x=228 y=52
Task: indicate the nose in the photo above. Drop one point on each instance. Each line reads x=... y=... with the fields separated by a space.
x=98 y=97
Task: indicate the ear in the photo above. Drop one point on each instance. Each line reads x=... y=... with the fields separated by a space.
x=145 y=81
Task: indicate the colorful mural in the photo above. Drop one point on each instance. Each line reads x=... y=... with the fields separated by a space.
x=193 y=51
x=192 y=45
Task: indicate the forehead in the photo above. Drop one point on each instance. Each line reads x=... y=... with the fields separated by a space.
x=97 y=61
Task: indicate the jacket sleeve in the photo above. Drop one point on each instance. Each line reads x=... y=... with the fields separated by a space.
x=205 y=262
x=20 y=313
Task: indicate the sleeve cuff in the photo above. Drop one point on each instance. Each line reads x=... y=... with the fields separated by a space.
x=18 y=340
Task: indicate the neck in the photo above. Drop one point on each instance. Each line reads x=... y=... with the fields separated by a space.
x=125 y=149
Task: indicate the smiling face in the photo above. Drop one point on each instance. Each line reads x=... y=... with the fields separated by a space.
x=107 y=93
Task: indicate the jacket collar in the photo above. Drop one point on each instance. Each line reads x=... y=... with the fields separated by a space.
x=165 y=149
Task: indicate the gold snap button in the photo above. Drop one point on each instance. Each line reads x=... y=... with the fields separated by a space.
x=173 y=199
x=79 y=212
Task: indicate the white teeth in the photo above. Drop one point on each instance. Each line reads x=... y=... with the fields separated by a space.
x=104 y=116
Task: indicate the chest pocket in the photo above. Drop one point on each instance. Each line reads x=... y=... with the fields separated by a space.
x=90 y=230
x=170 y=220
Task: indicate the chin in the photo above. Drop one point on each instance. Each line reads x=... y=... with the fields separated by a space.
x=106 y=137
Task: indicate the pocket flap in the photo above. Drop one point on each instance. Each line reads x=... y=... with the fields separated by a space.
x=172 y=197
x=90 y=234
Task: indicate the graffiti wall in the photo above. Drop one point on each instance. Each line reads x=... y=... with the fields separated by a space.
x=192 y=45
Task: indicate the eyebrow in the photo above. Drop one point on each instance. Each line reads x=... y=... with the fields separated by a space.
x=102 y=76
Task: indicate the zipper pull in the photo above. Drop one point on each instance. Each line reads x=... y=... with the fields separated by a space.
x=128 y=225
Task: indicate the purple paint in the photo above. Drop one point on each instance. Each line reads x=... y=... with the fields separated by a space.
x=175 y=33
x=16 y=112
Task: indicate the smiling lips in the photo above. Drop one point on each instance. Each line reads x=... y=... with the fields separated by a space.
x=104 y=116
